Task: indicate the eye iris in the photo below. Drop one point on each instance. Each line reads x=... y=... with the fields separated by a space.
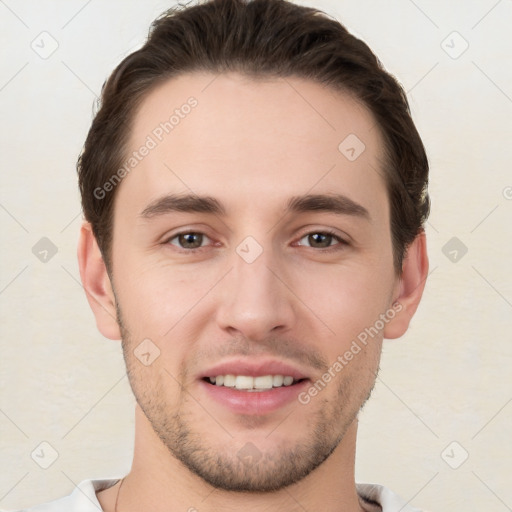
x=320 y=238
x=191 y=240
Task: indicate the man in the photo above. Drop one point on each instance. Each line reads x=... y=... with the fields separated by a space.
x=254 y=192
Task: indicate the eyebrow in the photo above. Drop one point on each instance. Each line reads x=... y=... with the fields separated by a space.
x=190 y=203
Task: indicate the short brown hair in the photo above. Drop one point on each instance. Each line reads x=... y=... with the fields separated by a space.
x=258 y=38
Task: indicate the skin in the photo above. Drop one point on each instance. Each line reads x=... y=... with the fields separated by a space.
x=251 y=144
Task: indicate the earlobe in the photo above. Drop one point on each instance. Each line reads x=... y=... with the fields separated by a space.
x=410 y=287
x=96 y=283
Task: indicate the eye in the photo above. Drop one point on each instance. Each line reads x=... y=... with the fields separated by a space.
x=188 y=240
x=323 y=240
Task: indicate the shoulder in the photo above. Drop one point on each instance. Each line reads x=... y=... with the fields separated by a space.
x=82 y=499
x=378 y=498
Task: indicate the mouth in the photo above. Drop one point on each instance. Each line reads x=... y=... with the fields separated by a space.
x=253 y=387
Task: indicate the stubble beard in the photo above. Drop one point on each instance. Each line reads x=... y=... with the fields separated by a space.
x=226 y=469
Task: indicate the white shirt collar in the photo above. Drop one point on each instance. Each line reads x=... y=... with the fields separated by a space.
x=376 y=498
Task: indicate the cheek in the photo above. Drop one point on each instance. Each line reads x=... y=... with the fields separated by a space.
x=347 y=299
x=349 y=302
x=157 y=298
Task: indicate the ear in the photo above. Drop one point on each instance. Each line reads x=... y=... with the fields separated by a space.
x=96 y=283
x=409 y=289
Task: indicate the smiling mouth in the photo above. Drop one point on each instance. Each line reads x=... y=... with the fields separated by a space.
x=250 y=383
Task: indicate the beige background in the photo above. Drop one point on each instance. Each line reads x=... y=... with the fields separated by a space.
x=448 y=380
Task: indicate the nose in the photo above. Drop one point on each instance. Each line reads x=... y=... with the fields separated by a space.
x=256 y=301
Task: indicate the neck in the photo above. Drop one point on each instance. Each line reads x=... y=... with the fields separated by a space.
x=159 y=482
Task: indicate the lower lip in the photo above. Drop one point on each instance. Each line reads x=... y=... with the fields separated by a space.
x=254 y=402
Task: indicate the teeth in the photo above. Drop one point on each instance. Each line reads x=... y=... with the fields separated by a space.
x=244 y=382
x=263 y=382
x=229 y=381
x=277 y=380
x=249 y=383
x=287 y=381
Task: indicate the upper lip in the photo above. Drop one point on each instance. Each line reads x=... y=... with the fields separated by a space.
x=254 y=368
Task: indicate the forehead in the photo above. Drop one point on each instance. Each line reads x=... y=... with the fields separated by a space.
x=252 y=141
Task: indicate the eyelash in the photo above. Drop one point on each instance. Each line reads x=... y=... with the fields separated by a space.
x=341 y=242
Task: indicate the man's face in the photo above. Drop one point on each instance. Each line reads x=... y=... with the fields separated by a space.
x=257 y=289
